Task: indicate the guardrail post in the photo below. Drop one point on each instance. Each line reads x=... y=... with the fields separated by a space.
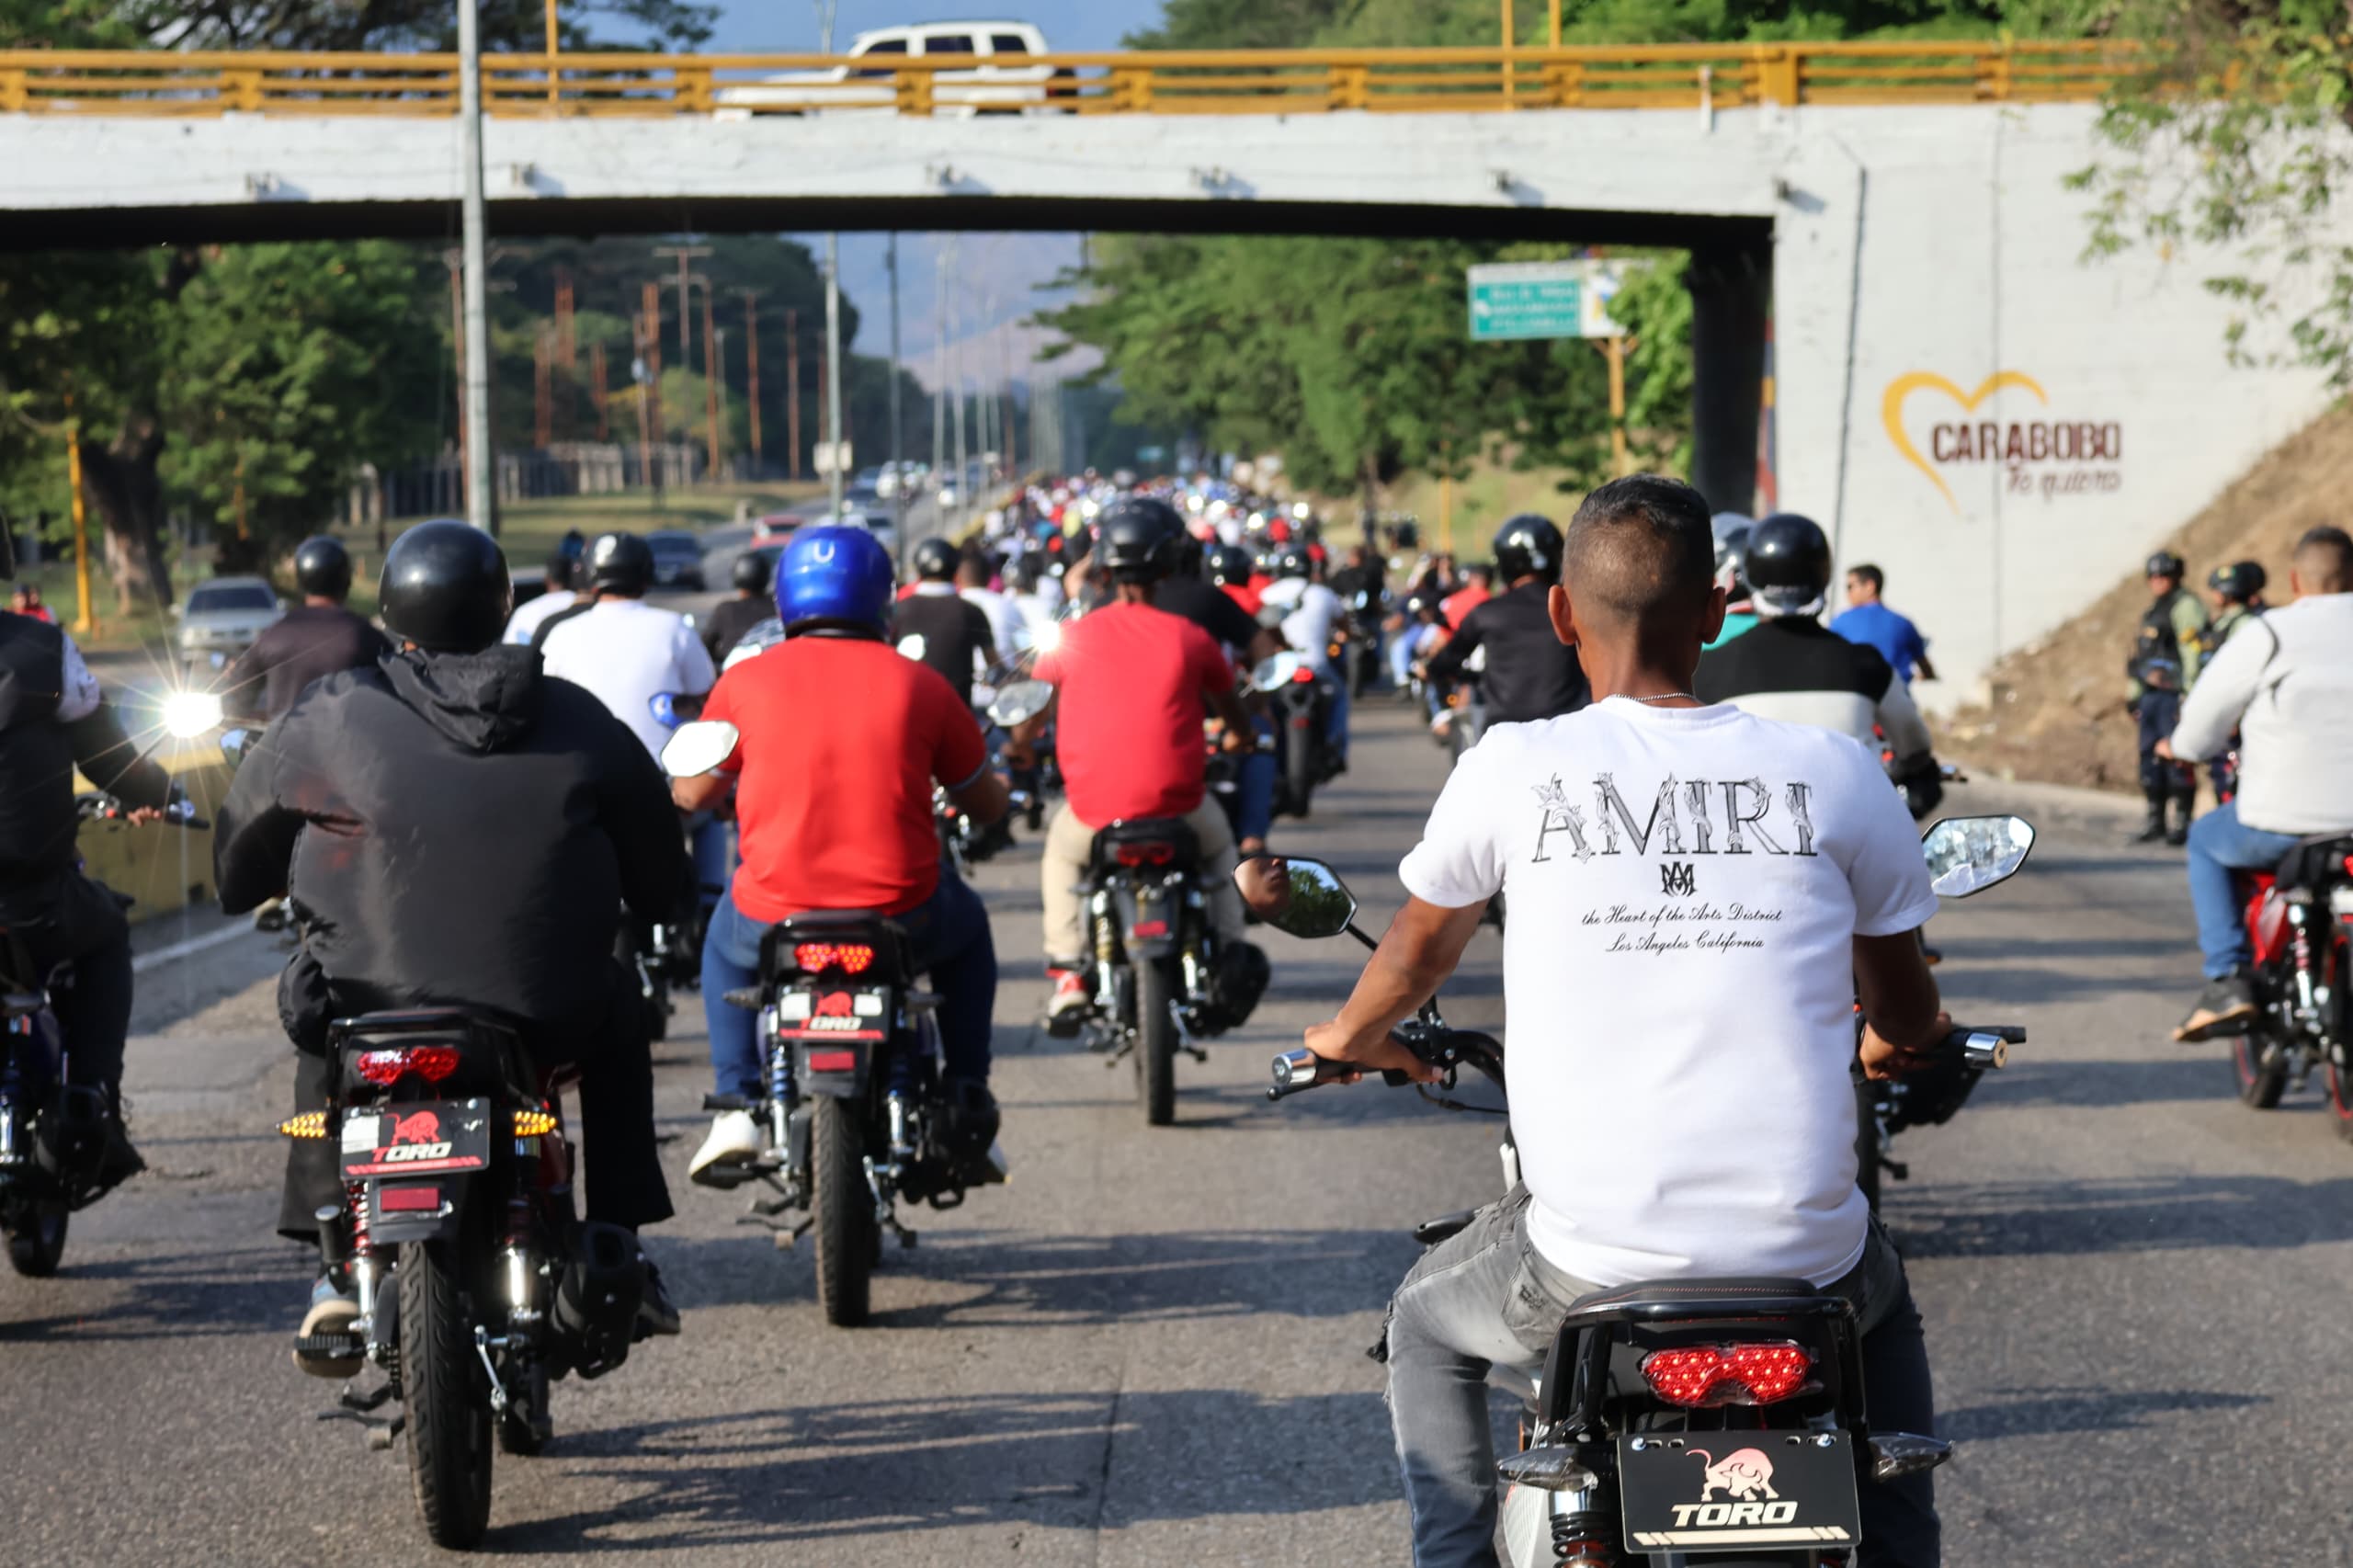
x=912 y=90
x=1347 y=86
x=14 y=97
x=1132 y=88
x=1564 y=84
x=1993 y=73
x=694 y=89
x=1777 y=73
x=241 y=89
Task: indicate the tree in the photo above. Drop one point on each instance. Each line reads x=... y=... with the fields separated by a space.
x=388 y=24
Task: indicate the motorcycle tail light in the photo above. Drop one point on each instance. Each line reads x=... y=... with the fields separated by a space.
x=850 y=958
x=1701 y=1376
x=1301 y=676
x=310 y=1124
x=1144 y=854
x=430 y=1062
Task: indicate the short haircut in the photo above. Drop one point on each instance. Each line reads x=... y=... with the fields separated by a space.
x=1871 y=575
x=2324 y=561
x=1481 y=574
x=558 y=573
x=1640 y=552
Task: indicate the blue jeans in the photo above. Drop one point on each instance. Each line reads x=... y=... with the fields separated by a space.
x=2219 y=842
x=1254 y=806
x=709 y=839
x=1487 y=1298
x=1404 y=649
x=949 y=934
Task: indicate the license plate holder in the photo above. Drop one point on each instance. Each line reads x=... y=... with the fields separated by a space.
x=426 y=1138
x=827 y=1013
x=1707 y=1492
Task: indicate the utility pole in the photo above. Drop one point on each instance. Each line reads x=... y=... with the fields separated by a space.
x=685 y=254
x=645 y=329
x=793 y=392
x=649 y=384
x=456 y=261
x=752 y=370
x=475 y=241
x=597 y=389
x=943 y=262
x=833 y=307
x=898 y=427
x=721 y=384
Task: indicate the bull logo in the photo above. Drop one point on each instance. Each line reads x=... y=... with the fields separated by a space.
x=417 y=1127
x=836 y=1006
x=1742 y=1473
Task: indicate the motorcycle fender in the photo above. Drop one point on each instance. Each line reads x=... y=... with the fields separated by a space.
x=836 y=1069
x=1148 y=915
x=427 y=1209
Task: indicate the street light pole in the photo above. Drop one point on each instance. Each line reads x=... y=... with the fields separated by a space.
x=898 y=431
x=833 y=308
x=475 y=243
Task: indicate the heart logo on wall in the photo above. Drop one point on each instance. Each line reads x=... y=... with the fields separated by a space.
x=1902 y=387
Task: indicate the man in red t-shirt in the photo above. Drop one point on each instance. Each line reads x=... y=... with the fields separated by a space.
x=1477 y=591
x=1131 y=686
x=840 y=739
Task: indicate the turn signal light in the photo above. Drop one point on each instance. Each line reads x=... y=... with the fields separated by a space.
x=310 y=1124
x=1699 y=1376
x=532 y=1123
x=431 y=1063
x=850 y=958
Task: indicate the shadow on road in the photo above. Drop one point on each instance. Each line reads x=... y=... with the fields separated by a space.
x=2052 y=1411
x=2125 y=1214
x=2095 y=1085
x=217 y=1291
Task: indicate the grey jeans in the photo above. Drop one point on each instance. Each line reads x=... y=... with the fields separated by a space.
x=1486 y=1299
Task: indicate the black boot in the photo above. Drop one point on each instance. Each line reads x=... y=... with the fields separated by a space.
x=2186 y=807
x=2154 y=829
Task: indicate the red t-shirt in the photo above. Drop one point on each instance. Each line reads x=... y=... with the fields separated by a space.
x=842 y=739
x=1132 y=684
x=1462 y=602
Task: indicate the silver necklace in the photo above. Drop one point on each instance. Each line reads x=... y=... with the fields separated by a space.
x=1665 y=696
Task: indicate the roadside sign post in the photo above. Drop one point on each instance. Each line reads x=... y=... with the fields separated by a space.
x=1515 y=301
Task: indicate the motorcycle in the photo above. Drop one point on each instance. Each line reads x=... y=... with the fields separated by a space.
x=1162 y=980
x=850 y=1102
x=1301 y=701
x=51 y=1132
x=2300 y=920
x=1759 y=1379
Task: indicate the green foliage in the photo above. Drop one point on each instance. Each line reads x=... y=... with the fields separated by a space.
x=388 y=24
x=2232 y=148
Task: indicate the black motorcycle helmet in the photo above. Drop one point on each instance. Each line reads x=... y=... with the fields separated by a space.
x=1230 y=565
x=1787 y=563
x=1527 y=546
x=445 y=588
x=2239 y=582
x=1189 y=554
x=621 y=563
x=1286 y=560
x=933 y=561
x=750 y=572
x=1136 y=539
x=322 y=568
x=2165 y=563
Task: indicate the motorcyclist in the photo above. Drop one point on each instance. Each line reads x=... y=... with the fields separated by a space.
x=2168 y=647
x=316 y=638
x=939 y=627
x=1026 y=584
x=53 y=720
x=563 y=572
x=1231 y=568
x=1731 y=530
x=2285 y=684
x=456 y=828
x=834 y=803
x=1421 y=632
x=1745 y=1042
x=1528 y=673
x=2237 y=590
x=1008 y=630
x=624 y=650
x=1311 y=615
x=730 y=619
x=1185 y=592
x=1790 y=666
x=1132 y=682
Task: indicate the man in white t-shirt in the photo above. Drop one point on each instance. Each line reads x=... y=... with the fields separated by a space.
x=1698 y=897
x=525 y=623
x=621 y=648
x=1311 y=612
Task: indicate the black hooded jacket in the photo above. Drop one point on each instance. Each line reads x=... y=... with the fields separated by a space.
x=1530 y=673
x=39 y=753
x=453 y=829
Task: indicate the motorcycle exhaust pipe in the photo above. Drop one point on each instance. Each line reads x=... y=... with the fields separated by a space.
x=595 y=1304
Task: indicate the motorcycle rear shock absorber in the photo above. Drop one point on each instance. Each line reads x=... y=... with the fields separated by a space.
x=780 y=1085
x=1585 y=1538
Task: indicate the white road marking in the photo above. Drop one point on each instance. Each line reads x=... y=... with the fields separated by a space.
x=177 y=950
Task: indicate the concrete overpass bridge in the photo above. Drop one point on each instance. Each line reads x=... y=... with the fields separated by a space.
x=1959 y=397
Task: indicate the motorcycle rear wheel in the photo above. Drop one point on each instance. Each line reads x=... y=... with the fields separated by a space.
x=448 y=1407
x=34 y=1251
x=847 y=1243
x=2340 y=1100
x=1299 y=773
x=2260 y=1085
x=1156 y=1044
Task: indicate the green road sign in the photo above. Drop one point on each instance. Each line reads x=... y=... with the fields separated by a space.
x=1540 y=299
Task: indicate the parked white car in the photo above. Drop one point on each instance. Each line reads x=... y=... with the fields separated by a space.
x=1005 y=81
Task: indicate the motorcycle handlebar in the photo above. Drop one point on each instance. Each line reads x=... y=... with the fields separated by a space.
x=1984 y=1046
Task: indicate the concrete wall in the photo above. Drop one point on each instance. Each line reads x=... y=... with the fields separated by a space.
x=1926 y=280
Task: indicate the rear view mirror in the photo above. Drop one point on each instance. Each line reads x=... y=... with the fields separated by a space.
x=1021 y=703
x=1968 y=855
x=1293 y=894
x=1275 y=673
x=699 y=747
x=236 y=744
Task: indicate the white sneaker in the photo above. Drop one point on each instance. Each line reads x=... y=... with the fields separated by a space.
x=734 y=1143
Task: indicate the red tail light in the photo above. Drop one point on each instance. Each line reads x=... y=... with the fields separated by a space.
x=1301 y=676
x=430 y=1062
x=833 y=1061
x=1699 y=1376
x=1143 y=854
x=850 y=958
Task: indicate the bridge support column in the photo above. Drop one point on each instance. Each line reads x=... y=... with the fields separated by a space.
x=1731 y=289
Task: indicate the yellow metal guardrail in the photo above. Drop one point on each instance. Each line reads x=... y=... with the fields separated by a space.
x=1250 y=82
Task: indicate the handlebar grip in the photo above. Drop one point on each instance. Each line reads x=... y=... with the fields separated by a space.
x=1985 y=1047
x=1296 y=1071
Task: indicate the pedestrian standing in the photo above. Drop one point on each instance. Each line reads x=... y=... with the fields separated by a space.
x=2166 y=648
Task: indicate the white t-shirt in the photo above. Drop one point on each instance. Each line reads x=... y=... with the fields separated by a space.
x=628 y=651
x=1004 y=618
x=524 y=624
x=1310 y=611
x=1684 y=887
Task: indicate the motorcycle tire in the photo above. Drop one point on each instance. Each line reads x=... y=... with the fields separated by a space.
x=1298 y=774
x=34 y=1251
x=2259 y=1086
x=1156 y=1044
x=447 y=1405
x=2340 y=1100
x=847 y=1243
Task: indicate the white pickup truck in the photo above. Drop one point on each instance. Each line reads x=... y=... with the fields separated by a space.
x=1005 y=79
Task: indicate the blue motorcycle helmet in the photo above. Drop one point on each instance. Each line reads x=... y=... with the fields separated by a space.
x=834 y=576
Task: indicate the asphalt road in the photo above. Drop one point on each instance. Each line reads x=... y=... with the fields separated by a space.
x=1148 y=1350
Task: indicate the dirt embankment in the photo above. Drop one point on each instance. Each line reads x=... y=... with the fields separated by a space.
x=2057 y=709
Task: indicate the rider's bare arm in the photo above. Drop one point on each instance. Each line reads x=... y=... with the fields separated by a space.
x=984 y=798
x=702 y=789
x=1416 y=953
x=1898 y=993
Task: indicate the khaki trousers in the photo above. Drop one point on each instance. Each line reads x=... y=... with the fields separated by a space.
x=1063 y=869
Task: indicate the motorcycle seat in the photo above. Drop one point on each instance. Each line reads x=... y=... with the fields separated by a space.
x=1731 y=1296
x=1183 y=847
x=2315 y=859
x=884 y=935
